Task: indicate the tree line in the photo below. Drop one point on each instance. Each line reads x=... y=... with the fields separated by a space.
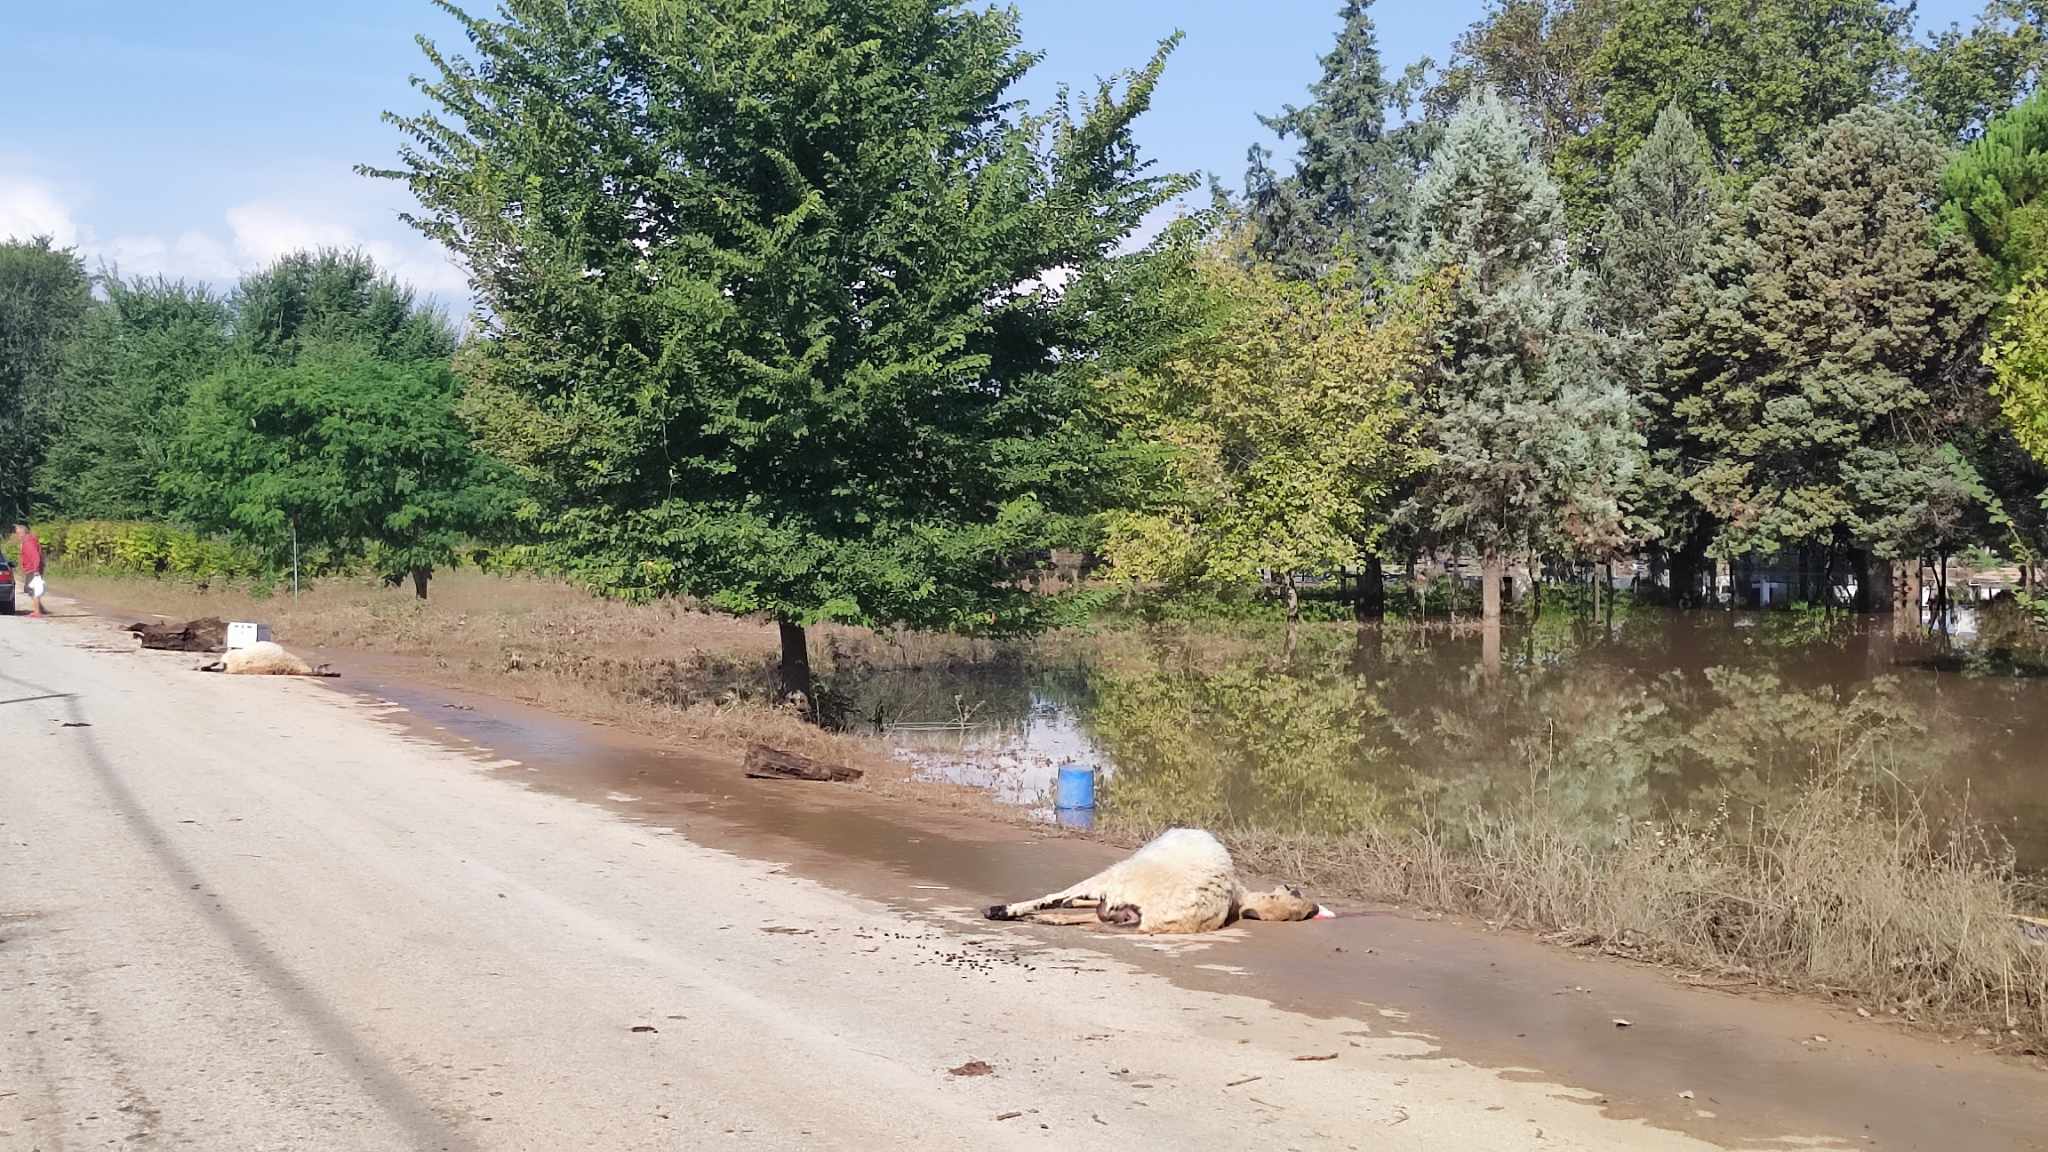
x=791 y=306
x=308 y=416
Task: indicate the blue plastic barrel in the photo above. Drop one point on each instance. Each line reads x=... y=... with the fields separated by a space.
x=1077 y=788
x=1079 y=819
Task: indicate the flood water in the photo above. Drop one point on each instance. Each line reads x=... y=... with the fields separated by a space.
x=1656 y=716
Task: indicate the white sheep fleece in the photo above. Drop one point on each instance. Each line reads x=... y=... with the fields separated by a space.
x=263 y=658
x=1183 y=881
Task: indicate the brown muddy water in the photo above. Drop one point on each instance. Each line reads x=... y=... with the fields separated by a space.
x=1655 y=716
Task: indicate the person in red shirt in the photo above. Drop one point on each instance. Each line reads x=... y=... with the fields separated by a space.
x=31 y=566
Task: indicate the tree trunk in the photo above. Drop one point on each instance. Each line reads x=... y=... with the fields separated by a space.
x=1490 y=574
x=1372 y=591
x=1658 y=565
x=1292 y=592
x=1418 y=583
x=796 y=661
x=420 y=576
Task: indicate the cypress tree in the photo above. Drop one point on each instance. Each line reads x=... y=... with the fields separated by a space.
x=1527 y=417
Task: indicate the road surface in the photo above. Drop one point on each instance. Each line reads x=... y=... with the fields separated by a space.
x=253 y=914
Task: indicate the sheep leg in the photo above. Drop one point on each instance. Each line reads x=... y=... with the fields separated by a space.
x=1064 y=898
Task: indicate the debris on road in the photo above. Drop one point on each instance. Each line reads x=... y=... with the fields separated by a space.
x=765 y=763
x=203 y=635
x=1620 y=1023
x=1008 y=1115
x=972 y=1068
x=645 y=1028
x=1240 y=1083
x=1315 y=1059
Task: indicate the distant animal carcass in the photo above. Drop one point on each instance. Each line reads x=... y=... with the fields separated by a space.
x=1183 y=881
x=262 y=658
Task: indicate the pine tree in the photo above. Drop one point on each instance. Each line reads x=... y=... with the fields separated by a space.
x=1664 y=206
x=1527 y=417
x=1349 y=189
x=1825 y=341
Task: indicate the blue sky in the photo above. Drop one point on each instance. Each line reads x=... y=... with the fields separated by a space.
x=202 y=138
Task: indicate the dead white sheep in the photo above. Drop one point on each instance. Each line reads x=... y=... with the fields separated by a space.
x=262 y=658
x=1183 y=881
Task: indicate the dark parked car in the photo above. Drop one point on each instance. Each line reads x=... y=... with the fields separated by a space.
x=6 y=586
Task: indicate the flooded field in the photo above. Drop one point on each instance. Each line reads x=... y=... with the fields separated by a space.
x=1694 y=718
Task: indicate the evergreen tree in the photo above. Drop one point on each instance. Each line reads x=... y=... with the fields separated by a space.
x=1349 y=189
x=1527 y=417
x=766 y=285
x=1827 y=341
x=1539 y=55
x=1665 y=205
x=124 y=380
x=1995 y=192
x=44 y=296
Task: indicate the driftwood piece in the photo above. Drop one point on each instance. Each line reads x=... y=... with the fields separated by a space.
x=765 y=763
x=204 y=635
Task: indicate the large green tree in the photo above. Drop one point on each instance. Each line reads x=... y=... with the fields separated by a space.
x=44 y=296
x=338 y=457
x=1287 y=425
x=1347 y=197
x=1665 y=204
x=772 y=291
x=120 y=402
x=1827 y=344
x=1964 y=79
x=1526 y=414
x=1756 y=75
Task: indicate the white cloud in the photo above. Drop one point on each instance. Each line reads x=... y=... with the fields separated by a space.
x=250 y=235
x=28 y=209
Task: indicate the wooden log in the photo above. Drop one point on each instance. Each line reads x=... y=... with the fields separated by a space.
x=765 y=763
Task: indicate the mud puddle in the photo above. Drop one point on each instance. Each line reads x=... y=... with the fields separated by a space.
x=1741 y=1071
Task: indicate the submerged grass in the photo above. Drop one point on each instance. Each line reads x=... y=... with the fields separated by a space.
x=1837 y=890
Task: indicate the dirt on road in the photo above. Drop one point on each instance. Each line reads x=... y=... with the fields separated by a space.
x=253 y=914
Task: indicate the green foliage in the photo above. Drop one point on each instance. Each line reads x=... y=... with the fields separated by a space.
x=1964 y=79
x=766 y=292
x=144 y=548
x=1348 y=194
x=1286 y=425
x=1992 y=192
x=2018 y=358
x=1540 y=56
x=341 y=455
x=44 y=296
x=315 y=299
x=121 y=396
x=1756 y=75
x=1663 y=210
x=1822 y=344
x=1526 y=416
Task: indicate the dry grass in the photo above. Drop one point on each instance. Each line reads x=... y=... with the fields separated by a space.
x=1840 y=891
